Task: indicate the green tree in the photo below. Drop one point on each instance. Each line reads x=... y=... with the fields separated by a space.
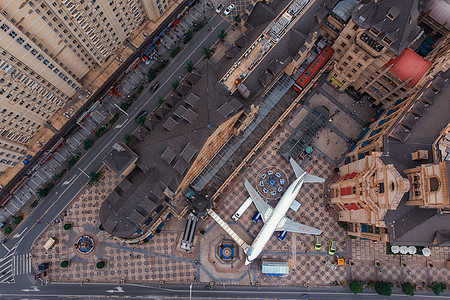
x=42 y=192
x=8 y=230
x=438 y=287
x=101 y=264
x=188 y=37
x=141 y=120
x=222 y=35
x=94 y=177
x=64 y=264
x=101 y=131
x=73 y=160
x=408 y=289
x=160 y=101
x=207 y=52
x=356 y=287
x=140 y=89
x=237 y=19
x=127 y=138
x=18 y=219
x=67 y=226
x=383 y=288
x=175 y=52
x=190 y=66
x=175 y=84
x=87 y=144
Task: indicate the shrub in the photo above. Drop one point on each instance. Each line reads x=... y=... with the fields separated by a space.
x=42 y=192
x=175 y=84
x=356 y=287
x=73 y=160
x=101 y=227
x=67 y=226
x=237 y=19
x=17 y=219
x=160 y=101
x=378 y=264
x=190 y=66
x=57 y=177
x=140 y=89
x=34 y=203
x=94 y=177
x=175 y=52
x=101 y=264
x=100 y=132
x=64 y=264
x=199 y=26
x=222 y=35
x=8 y=230
x=127 y=138
x=188 y=36
x=436 y=287
x=124 y=106
x=87 y=144
x=383 y=288
x=141 y=120
x=408 y=289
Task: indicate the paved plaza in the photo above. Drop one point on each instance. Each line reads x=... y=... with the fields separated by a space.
x=161 y=259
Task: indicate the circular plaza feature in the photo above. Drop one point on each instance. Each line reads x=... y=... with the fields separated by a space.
x=226 y=251
x=271 y=182
x=84 y=244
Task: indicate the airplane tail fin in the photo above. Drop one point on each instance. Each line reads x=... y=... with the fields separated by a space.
x=297 y=170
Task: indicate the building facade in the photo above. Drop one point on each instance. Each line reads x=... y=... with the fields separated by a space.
x=396 y=176
x=46 y=47
x=380 y=52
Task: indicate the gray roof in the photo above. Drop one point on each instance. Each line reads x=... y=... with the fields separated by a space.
x=411 y=225
x=119 y=158
x=400 y=27
x=165 y=156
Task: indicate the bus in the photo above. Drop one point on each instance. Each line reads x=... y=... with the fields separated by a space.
x=242 y=209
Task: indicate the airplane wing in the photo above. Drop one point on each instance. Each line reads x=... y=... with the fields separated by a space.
x=297 y=170
x=264 y=209
x=312 y=178
x=287 y=224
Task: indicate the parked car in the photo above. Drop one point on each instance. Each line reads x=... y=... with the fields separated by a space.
x=154 y=87
x=219 y=8
x=282 y=235
x=141 y=114
x=256 y=217
x=317 y=242
x=332 y=248
x=229 y=9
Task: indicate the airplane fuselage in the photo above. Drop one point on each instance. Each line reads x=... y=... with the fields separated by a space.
x=274 y=219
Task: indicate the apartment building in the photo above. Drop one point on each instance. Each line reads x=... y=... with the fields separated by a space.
x=378 y=52
x=46 y=47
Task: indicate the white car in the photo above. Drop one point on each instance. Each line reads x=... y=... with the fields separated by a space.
x=229 y=9
x=219 y=8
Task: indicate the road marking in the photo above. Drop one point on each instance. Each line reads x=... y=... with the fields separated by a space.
x=35 y=289
x=120 y=125
x=17 y=235
x=68 y=181
x=119 y=290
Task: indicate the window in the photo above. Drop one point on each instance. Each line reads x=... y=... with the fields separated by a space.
x=13 y=34
x=366 y=58
x=4 y=27
x=344 y=63
x=387 y=41
x=381 y=187
x=20 y=40
x=374 y=31
x=40 y=57
x=350 y=58
x=353 y=70
x=356 y=50
x=359 y=65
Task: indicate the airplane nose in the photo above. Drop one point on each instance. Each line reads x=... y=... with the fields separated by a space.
x=247 y=262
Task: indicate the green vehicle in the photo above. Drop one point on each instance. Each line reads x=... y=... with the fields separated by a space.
x=332 y=248
x=317 y=242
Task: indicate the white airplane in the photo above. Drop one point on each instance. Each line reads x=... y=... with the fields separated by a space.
x=275 y=219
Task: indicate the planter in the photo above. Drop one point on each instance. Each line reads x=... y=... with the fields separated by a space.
x=101 y=264
x=64 y=264
x=377 y=263
x=67 y=226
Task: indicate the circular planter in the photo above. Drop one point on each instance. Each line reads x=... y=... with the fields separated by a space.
x=67 y=226
x=64 y=264
x=101 y=264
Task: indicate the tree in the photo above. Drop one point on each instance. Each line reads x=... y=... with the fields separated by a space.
x=383 y=288
x=207 y=52
x=87 y=144
x=64 y=264
x=160 y=101
x=222 y=35
x=101 y=264
x=175 y=52
x=408 y=289
x=190 y=66
x=127 y=138
x=67 y=226
x=42 y=192
x=356 y=287
x=187 y=37
x=141 y=120
x=438 y=287
x=237 y=19
x=175 y=84
x=94 y=177
x=8 y=230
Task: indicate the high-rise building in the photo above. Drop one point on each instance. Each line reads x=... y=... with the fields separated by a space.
x=46 y=47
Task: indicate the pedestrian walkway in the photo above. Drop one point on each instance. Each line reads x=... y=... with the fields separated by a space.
x=6 y=268
x=21 y=264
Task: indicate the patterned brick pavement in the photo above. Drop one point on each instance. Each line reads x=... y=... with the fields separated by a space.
x=308 y=266
x=364 y=253
x=157 y=260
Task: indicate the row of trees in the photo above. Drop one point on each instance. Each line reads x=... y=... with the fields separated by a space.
x=385 y=288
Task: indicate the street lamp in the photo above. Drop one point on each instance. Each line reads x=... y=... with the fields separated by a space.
x=190 y=292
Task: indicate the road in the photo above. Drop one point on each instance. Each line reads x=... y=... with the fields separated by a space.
x=18 y=246
x=134 y=291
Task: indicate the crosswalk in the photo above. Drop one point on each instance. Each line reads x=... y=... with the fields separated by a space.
x=12 y=265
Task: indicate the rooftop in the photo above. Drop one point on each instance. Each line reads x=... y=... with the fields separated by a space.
x=120 y=158
x=408 y=65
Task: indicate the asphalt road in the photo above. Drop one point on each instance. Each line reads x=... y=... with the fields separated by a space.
x=134 y=291
x=26 y=233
